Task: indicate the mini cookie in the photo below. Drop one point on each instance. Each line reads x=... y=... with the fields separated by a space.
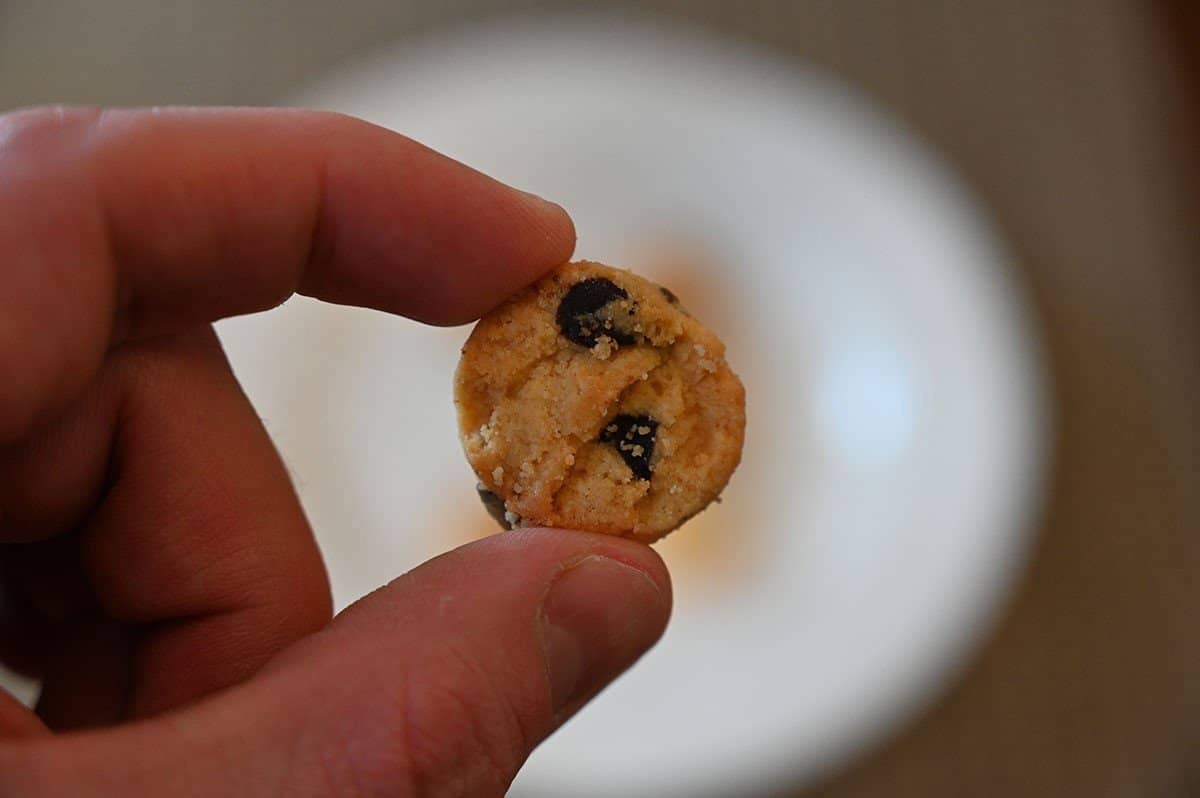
x=592 y=400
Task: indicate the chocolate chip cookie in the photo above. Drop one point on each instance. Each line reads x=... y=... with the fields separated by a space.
x=592 y=400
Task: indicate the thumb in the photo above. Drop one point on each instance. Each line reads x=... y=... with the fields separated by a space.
x=439 y=684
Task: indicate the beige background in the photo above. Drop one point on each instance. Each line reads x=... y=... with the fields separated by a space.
x=1071 y=119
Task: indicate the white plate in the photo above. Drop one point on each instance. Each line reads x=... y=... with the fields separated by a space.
x=895 y=421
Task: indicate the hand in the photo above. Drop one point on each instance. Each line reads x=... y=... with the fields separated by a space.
x=157 y=569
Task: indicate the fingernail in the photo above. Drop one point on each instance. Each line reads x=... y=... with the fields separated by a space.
x=549 y=214
x=599 y=616
x=540 y=203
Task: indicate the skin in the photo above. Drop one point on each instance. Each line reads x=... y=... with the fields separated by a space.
x=156 y=569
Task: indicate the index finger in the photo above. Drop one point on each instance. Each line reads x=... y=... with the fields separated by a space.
x=128 y=223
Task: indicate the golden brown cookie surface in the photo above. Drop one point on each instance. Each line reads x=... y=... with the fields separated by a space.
x=592 y=400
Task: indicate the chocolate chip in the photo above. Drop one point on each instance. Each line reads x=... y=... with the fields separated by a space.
x=493 y=504
x=579 y=314
x=670 y=295
x=633 y=437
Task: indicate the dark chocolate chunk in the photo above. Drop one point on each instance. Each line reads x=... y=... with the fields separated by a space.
x=633 y=437
x=670 y=295
x=579 y=314
x=494 y=506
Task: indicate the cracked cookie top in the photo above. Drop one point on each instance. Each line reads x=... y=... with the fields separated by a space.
x=592 y=400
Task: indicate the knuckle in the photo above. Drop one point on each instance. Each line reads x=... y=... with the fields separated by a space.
x=458 y=729
x=447 y=731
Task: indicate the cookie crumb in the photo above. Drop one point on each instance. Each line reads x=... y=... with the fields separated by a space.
x=604 y=348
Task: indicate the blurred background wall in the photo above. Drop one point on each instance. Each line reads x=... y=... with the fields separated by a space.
x=1074 y=121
